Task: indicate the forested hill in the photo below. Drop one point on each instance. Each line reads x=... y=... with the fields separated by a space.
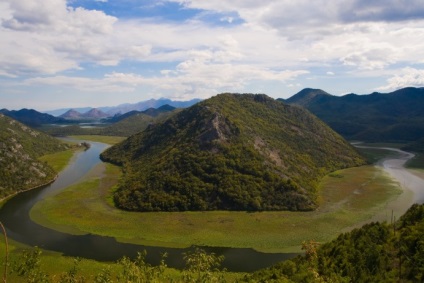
x=396 y=117
x=20 y=147
x=230 y=152
x=31 y=117
x=377 y=252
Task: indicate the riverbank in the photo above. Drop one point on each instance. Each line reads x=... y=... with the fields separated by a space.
x=411 y=181
x=347 y=197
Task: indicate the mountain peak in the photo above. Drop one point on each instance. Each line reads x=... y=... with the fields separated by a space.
x=71 y=114
x=305 y=96
x=94 y=113
x=229 y=152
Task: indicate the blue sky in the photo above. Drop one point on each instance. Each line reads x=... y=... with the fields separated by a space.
x=94 y=53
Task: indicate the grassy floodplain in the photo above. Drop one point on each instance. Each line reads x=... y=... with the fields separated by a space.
x=59 y=160
x=348 y=198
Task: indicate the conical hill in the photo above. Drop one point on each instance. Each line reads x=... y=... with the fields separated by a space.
x=230 y=152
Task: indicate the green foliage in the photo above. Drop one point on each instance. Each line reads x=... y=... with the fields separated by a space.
x=71 y=276
x=140 y=271
x=231 y=152
x=28 y=267
x=203 y=267
x=20 y=149
x=377 y=252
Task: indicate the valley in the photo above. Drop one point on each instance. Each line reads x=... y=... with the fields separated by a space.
x=347 y=197
x=346 y=201
x=78 y=216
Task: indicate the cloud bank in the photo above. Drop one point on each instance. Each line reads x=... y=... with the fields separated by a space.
x=212 y=46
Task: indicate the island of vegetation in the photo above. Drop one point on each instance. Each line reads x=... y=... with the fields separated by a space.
x=230 y=152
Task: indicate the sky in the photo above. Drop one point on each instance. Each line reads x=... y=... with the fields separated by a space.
x=77 y=53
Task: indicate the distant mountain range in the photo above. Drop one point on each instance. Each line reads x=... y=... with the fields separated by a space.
x=93 y=113
x=124 y=108
x=393 y=117
x=32 y=117
x=152 y=112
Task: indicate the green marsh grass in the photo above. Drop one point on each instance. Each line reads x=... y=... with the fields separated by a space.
x=59 y=160
x=354 y=196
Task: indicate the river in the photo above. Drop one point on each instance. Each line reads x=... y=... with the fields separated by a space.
x=395 y=167
x=19 y=226
x=15 y=217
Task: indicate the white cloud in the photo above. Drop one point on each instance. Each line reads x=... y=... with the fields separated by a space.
x=278 y=42
x=406 y=77
x=190 y=77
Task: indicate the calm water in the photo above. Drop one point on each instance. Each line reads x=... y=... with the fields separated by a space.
x=15 y=217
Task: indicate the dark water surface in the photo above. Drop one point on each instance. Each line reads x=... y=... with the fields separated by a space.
x=15 y=217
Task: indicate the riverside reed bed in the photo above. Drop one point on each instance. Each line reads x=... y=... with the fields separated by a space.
x=59 y=160
x=347 y=197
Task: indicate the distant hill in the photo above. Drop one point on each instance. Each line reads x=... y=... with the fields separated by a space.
x=230 y=152
x=93 y=113
x=307 y=96
x=32 y=117
x=136 y=121
x=20 y=147
x=396 y=117
x=153 y=112
x=124 y=108
x=120 y=125
x=71 y=114
x=151 y=103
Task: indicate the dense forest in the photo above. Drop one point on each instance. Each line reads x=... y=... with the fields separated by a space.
x=376 y=117
x=20 y=148
x=231 y=152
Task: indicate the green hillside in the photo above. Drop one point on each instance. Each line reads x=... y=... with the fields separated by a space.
x=377 y=117
x=377 y=252
x=20 y=148
x=230 y=152
x=136 y=123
